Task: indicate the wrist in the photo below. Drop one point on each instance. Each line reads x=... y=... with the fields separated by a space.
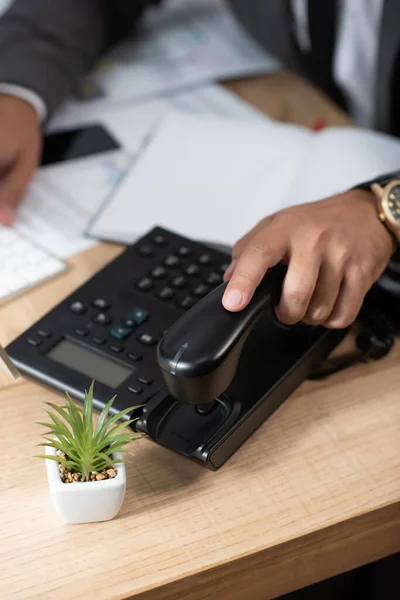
x=368 y=202
x=14 y=105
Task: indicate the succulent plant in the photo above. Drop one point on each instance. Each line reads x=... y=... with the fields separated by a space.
x=84 y=447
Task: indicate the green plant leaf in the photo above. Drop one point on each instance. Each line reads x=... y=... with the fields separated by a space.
x=103 y=416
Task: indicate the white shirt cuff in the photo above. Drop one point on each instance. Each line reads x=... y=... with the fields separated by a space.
x=28 y=95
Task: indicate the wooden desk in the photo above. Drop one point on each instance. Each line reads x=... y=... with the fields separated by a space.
x=315 y=492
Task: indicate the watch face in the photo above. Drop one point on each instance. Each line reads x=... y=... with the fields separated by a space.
x=393 y=202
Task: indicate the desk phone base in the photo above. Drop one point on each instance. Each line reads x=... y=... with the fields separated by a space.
x=109 y=328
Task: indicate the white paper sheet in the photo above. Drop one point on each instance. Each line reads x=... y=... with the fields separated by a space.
x=340 y=158
x=64 y=198
x=180 y=44
x=205 y=178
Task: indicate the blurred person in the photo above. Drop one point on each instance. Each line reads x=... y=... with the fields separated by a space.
x=335 y=248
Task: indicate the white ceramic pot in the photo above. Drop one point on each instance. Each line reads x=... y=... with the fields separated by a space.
x=86 y=501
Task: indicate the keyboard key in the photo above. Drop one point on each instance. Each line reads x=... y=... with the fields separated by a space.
x=213 y=278
x=102 y=319
x=138 y=315
x=146 y=339
x=158 y=273
x=82 y=332
x=184 y=251
x=44 y=333
x=201 y=290
x=146 y=250
x=22 y=263
x=166 y=293
x=205 y=259
x=135 y=389
x=187 y=302
x=172 y=261
x=145 y=381
x=134 y=357
x=145 y=284
x=77 y=308
x=192 y=270
x=159 y=240
x=115 y=348
x=33 y=341
x=179 y=282
x=224 y=267
x=119 y=332
x=100 y=304
x=98 y=340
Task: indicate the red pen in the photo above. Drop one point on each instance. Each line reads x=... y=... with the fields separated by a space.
x=319 y=124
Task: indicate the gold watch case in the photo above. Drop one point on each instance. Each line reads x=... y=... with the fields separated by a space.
x=388 y=199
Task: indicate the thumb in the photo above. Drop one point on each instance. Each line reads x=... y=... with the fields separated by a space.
x=264 y=251
x=14 y=185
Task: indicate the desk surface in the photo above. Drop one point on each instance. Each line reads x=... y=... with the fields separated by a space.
x=313 y=493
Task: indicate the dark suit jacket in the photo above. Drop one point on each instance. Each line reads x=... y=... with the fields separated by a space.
x=48 y=45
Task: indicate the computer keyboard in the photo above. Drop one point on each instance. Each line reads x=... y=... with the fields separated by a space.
x=23 y=264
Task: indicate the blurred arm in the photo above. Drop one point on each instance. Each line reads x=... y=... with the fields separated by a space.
x=46 y=46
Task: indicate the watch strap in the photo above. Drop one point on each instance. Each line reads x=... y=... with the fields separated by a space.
x=382 y=181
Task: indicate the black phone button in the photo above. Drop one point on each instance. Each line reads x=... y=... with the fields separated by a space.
x=146 y=250
x=184 y=251
x=145 y=381
x=102 y=319
x=192 y=270
x=77 y=307
x=145 y=284
x=201 y=290
x=179 y=282
x=166 y=293
x=205 y=259
x=44 y=333
x=158 y=273
x=98 y=340
x=187 y=302
x=100 y=304
x=116 y=349
x=82 y=332
x=33 y=341
x=159 y=240
x=172 y=261
x=135 y=389
x=134 y=357
x=146 y=339
x=213 y=278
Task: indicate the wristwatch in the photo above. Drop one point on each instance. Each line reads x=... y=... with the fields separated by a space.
x=387 y=192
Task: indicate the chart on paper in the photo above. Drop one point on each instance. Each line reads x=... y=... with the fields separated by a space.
x=183 y=43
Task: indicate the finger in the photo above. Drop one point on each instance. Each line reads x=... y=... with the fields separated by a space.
x=257 y=257
x=325 y=294
x=299 y=286
x=246 y=239
x=349 y=301
x=228 y=273
x=14 y=185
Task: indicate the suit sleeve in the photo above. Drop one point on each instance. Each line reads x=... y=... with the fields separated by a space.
x=48 y=45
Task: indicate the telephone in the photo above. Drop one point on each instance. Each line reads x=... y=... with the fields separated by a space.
x=150 y=327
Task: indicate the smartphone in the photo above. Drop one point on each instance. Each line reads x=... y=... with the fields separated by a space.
x=76 y=143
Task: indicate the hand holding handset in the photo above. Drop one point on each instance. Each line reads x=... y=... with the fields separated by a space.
x=199 y=355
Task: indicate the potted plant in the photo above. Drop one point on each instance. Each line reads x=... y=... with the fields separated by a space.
x=84 y=460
